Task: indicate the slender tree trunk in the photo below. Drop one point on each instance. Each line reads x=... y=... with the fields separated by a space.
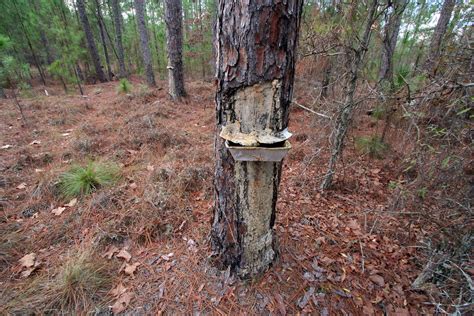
x=81 y=9
x=354 y=59
x=327 y=78
x=174 y=41
x=2 y=93
x=118 y=38
x=203 y=62
x=28 y=40
x=156 y=42
x=78 y=74
x=256 y=49
x=393 y=21
x=100 y=20
x=213 y=9
x=144 y=42
x=43 y=38
x=434 y=52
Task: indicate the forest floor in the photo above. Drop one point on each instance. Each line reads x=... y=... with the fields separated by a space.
x=341 y=252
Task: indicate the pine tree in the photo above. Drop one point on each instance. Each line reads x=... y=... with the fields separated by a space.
x=174 y=40
x=118 y=37
x=144 y=42
x=257 y=50
x=81 y=9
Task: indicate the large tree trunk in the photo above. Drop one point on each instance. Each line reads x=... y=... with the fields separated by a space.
x=256 y=49
x=144 y=42
x=118 y=37
x=81 y=9
x=432 y=60
x=100 y=20
x=393 y=20
x=174 y=42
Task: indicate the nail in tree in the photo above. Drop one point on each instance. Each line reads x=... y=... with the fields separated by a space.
x=81 y=10
x=256 y=50
x=174 y=41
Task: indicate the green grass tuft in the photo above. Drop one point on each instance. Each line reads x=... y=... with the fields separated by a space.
x=124 y=86
x=372 y=145
x=82 y=180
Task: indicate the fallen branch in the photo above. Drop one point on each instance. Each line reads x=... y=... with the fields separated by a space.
x=312 y=111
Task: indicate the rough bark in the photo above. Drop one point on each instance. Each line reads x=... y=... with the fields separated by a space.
x=256 y=51
x=393 y=21
x=174 y=43
x=432 y=60
x=144 y=42
x=81 y=10
x=354 y=59
x=118 y=38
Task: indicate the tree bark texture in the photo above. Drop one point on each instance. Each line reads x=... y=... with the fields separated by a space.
x=432 y=60
x=81 y=8
x=118 y=37
x=393 y=21
x=174 y=42
x=256 y=51
x=144 y=42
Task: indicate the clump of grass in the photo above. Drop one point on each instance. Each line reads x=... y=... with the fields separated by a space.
x=124 y=86
x=77 y=286
x=371 y=145
x=82 y=180
x=79 y=283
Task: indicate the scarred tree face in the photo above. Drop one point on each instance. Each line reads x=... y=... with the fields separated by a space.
x=256 y=49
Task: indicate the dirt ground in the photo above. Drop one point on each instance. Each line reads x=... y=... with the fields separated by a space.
x=342 y=252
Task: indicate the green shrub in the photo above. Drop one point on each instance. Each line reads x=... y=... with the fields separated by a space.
x=371 y=145
x=379 y=112
x=124 y=86
x=82 y=180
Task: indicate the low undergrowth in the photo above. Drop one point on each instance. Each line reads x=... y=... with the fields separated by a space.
x=78 y=286
x=82 y=180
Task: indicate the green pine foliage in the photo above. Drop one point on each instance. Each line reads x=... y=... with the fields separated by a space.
x=124 y=86
x=372 y=146
x=82 y=180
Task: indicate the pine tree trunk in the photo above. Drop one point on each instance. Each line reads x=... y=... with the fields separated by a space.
x=432 y=60
x=81 y=9
x=118 y=38
x=100 y=20
x=174 y=42
x=389 y=41
x=144 y=42
x=256 y=49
